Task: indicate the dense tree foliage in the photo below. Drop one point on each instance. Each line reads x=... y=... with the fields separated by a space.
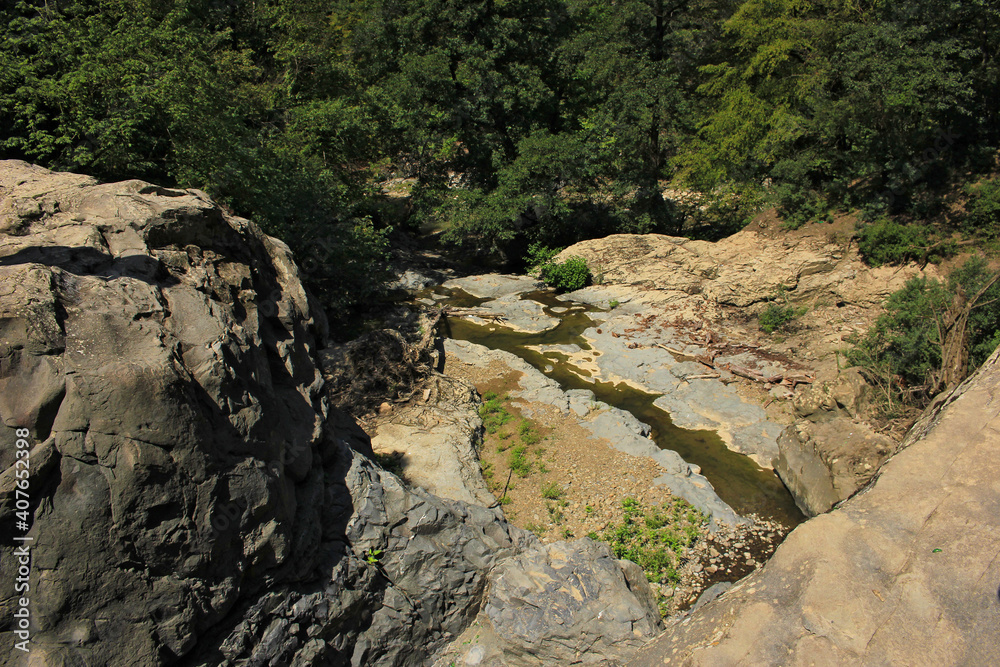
x=521 y=122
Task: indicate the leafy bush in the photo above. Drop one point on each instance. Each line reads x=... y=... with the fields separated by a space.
x=983 y=209
x=775 y=317
x=539 y=255
x=903 y=347
x=902 y=351
x=655 y=537
x=571 y=275
x=885 y=241
x=984 y=318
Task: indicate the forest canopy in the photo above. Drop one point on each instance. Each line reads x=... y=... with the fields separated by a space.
x=516 y=121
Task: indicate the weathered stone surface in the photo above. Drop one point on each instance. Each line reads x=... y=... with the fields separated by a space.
x=829 y=453
x=904 y=573
x=739 y=270
x=570 y=603
x=434 y=437
x=495 y=285
x=825 y=463
x=844 y=394
x=194 y=499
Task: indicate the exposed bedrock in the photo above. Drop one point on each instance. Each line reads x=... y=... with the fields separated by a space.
x=907 y=572
x=194 y=500
x=829 y=452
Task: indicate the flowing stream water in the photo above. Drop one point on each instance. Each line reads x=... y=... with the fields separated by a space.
x=737 y=479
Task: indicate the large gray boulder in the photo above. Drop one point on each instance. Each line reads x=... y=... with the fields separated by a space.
x=193 y=498
x=570 y=603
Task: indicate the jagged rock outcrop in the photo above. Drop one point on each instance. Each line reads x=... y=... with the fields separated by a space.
x=904 y=573
x=194 y=499
x=829 y=452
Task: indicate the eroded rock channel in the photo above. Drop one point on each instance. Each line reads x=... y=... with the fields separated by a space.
x=564 y=339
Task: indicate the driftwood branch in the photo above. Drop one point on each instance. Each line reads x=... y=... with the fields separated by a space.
x=481 y=313
x=787 y=380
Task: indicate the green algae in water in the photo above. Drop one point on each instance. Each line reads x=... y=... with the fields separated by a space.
x=738 y=480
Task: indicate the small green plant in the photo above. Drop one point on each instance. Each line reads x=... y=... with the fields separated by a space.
x=518 y=461
x=552 y=491
x=567 y=533
x=529 y=436
x=372 y=557
x=536 y=529
x=493 y=413
x=556 y=514
x=589 y=509
x=779 y=313
x=392 y=462
x=613 y=304
x=505 y=499
x=568 y=276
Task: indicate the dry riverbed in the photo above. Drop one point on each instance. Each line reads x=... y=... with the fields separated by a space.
x=565 y=484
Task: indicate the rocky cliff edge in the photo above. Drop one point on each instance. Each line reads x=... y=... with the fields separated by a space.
x=907 y=572
x=192 y=499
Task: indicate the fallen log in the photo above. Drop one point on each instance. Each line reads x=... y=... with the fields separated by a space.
x=684 y=356
x=481 y=313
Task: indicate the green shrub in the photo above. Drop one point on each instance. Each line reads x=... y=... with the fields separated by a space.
x=984 y=319
x=775 y=317
x=568 y=276
x=655 y=537
x=539 y=255
x=886 y=241
x=778 y=313
x=901 y=353
x=903 y=347
x=983 y=208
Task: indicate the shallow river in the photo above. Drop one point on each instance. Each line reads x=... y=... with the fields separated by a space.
x=740 y=482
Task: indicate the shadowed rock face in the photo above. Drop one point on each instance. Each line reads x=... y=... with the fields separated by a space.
x=191 y=497
x=194 y=501
x=904 y=573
